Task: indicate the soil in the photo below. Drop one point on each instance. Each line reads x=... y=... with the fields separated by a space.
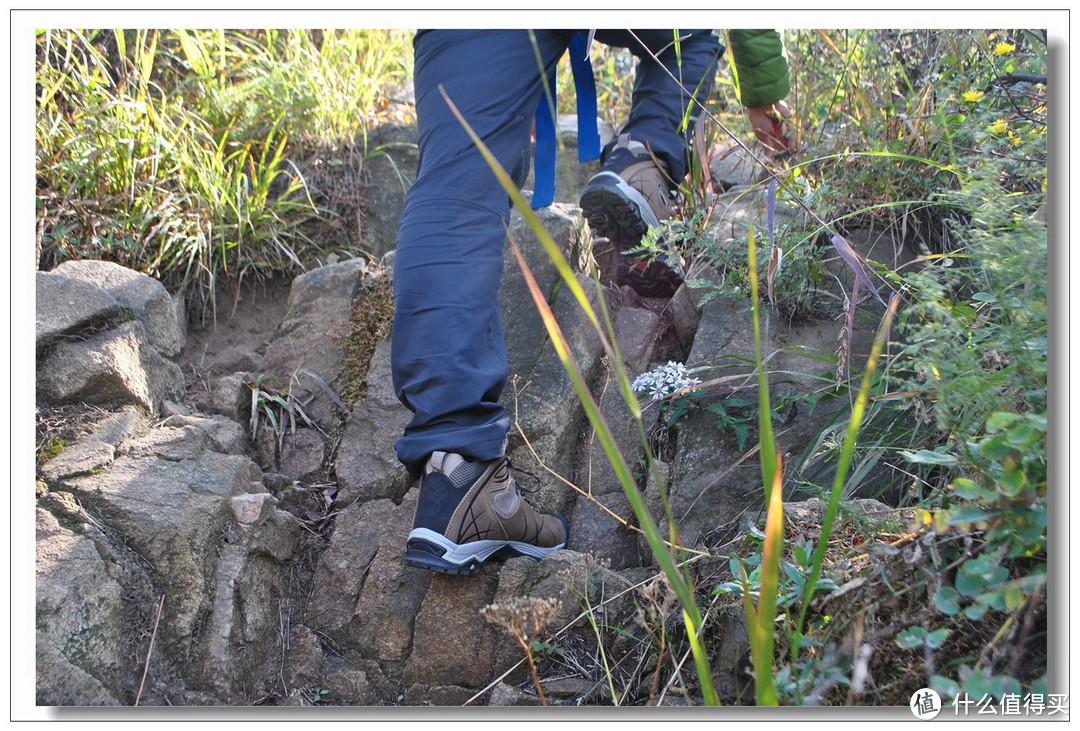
x=247 y=320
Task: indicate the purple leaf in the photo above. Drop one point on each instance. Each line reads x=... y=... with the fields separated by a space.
x=770 y=209
x=853 y=260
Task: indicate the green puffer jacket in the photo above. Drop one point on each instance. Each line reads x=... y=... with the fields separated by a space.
x=761 y=65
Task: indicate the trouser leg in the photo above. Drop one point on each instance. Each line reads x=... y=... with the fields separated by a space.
x=447 y=349
x=659 y=104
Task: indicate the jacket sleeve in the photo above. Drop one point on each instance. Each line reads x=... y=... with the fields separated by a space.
x=761 y=65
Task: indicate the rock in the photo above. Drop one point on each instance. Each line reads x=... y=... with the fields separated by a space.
x=226 y=436
x=594 y=529
x=741 y=206
x=544 y=400
x=168 y=495
x=251 y=510
x=231 y=397
x=312 y=335
x=114 y=366
x=363 y=596
x=367 y=467
x=302 y=454
x=453 y=644
x=597 y=532
x=638 y=331
x=116 y=428
x=523 y=327
x=88 y=650
x=144 y=297
x=395 y=165
x=66 y=306
x=67 y=684
x=731 y=659
x=422 y=694
x=82 y=458
x=732 y=166
x=507 y=695
x=683 y=316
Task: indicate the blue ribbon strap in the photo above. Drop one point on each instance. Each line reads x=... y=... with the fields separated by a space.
x=546 y=124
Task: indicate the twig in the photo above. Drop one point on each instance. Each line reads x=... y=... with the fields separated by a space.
x=532 y=668
x=149 y=650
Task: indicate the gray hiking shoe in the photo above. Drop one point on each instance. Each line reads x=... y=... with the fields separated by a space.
x=470 y=511
x=622 y=202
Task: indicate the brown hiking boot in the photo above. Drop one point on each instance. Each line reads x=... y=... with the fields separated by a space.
x=469 y=511
x=622 y=202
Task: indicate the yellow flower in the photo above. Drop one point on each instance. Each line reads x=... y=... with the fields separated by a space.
x=998 y=127
x=1002 y=48
x=975 y=96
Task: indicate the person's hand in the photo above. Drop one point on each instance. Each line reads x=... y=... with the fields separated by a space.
x=768 y=123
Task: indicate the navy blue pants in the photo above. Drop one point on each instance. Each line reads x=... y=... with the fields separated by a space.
x=447 y=349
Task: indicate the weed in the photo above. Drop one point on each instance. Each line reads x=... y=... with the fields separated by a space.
x=523 y=617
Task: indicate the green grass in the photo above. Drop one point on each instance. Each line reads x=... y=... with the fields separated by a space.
x=183 y=153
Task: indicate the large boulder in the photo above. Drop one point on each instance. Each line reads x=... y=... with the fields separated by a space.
x=142 y=296
x=169 y=515
x=83 y=654
x=367 y=467
x=391 y=160
x=118 y=365
x=66 y=306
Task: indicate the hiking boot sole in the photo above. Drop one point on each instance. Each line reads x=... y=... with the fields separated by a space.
x=429 y=550
x=617 y=211
x=620 y=213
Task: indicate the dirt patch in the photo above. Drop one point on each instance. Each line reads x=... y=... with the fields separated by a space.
x=247 y=320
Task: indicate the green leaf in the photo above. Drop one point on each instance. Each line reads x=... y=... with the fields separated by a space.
x=967 y=489
x=1022 y=435
x=937 y=638
x=741 y=432
x=946 y=687
x=729 y=587
x=976 y=611
x=1014 y=597
x=947 y=600
x=969 y=585
x=997 y=447
x=1012 y=482
x=999 y=420
x=800 y=554
x=925 y=456
x=965 y=515
x=911 y=638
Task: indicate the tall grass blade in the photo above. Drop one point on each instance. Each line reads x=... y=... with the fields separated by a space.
x=773 y=549
x=768 y=444
x=765 y=615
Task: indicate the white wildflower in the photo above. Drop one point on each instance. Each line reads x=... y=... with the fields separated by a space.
x=664 y=381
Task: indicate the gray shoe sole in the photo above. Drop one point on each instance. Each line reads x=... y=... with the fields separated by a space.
x=429 y=550
x=619 y=213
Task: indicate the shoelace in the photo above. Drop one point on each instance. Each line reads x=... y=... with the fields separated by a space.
x=510 y=465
